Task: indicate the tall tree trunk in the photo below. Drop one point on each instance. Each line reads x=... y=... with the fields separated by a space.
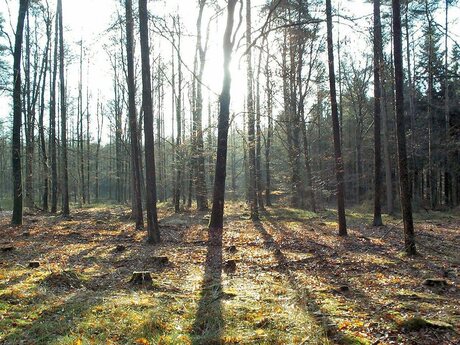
x=405 y=195
x=133 y=128
x=217 y=214
x=118 y=134
x=251 y=119
x=29 y=121
x=41 y=126
x=415 y=189
x=260 y=200
x=310 y=190
x=377 y=103
x=64 y=170
x=198 y=146
x=82 y=199
x=179 y=158
x=268 y=140
x=52 y=134
x=153 y=230
x=294 y=125
x=339 y=167
x=100 y=124
x=448 y=181
x=431 y=169
x=17 y=108
x=386 y=151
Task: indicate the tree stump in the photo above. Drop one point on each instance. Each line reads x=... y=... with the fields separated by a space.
x=34 y=264
x=435 y=282
x=232 y=249
x=160 y=260
x=7 y=248
x=141 y=278
x=344 y=288
x=230 y=266
x=120 y=248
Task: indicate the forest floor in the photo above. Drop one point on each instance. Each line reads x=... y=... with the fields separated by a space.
x=287 y=279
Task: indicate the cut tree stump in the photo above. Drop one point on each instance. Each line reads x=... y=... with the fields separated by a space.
x=160 y=260
x=120 y=248
x=435 y=282
x=7 y=248
x=344 y=288
x=141 y=278
x=34 y=264
x=230 y=266
x=232 y=249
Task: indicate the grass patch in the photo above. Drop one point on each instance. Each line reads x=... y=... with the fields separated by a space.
x=293 y=214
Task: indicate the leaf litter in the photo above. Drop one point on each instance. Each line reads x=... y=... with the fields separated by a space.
x=292 y=280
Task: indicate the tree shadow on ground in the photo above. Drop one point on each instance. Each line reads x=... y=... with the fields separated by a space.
x=356 y=295
x=304 y=297
x=54 y=322
x=209 y=322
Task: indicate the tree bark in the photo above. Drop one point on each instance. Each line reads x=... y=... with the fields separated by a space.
x=41 y=126
x=268 y=140
x=153 y=230
x=252 y=192
x=52 y=134
x=17 y=111
x=133 y=127
x=336 y=127
x=178 y=185
x=198 y=146
x=405 y=195
x=377 y=111
x=65 y=172
x=217 y=214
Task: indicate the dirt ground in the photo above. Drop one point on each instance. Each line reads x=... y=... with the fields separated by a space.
x=286 y=279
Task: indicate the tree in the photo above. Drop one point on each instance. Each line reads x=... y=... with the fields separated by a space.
x=178 y=99
x=150 y=179
x=64 y=162
x=252 y=185
x=268 y=137
x=52 y=121
x=217 y=214
x=17 y=108
x=377 y=102
x=198 y=145
x=42 y=111
x=405 y=195
x=339 y=168
x=133 y=128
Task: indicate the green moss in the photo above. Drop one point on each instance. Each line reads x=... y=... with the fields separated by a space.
x=353 y=340
x=413 y=324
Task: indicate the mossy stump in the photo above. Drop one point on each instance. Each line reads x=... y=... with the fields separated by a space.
x=141 y=278
x=417 y=323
